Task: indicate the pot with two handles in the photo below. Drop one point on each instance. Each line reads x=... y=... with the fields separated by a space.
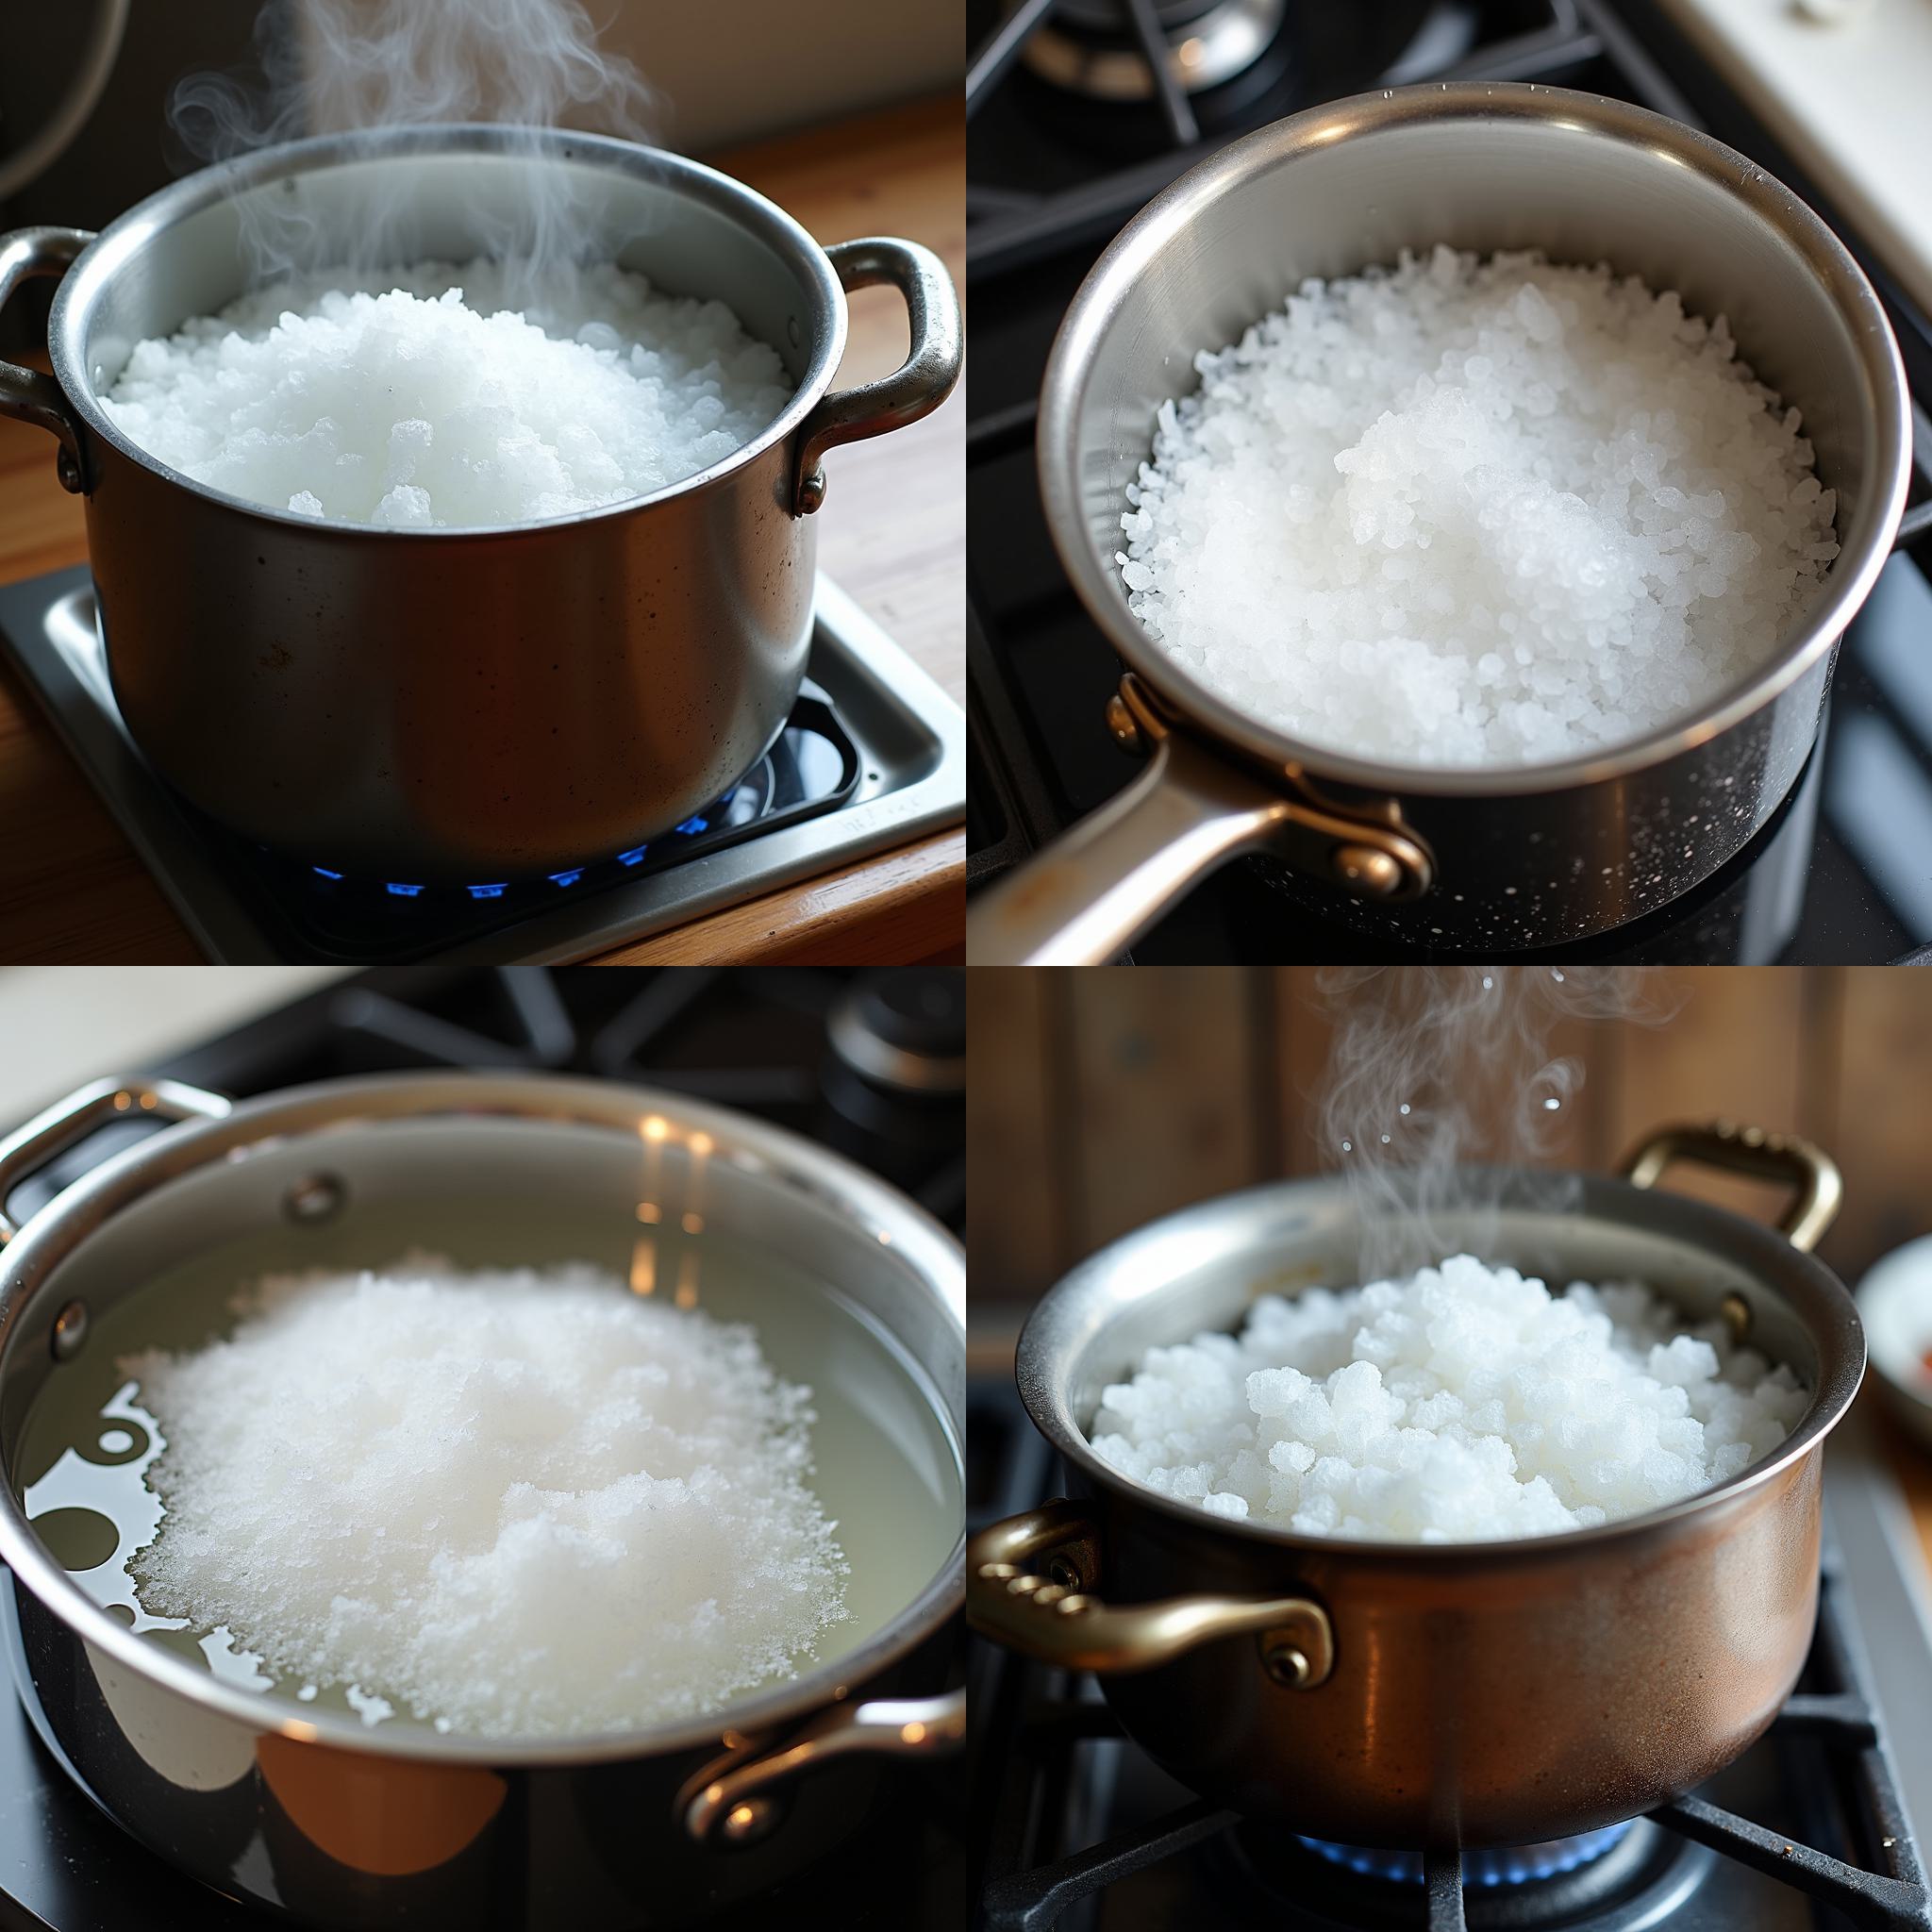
x=1435 y=1695
x=303 y=1808
x=1496 y=858
x=469 y=704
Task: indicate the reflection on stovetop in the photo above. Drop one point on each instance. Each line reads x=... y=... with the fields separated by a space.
x=1076 y=1830
x=1841 y=875
x=872 y=756
x=858 y=1061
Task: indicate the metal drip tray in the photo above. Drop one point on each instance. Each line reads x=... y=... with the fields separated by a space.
x=873 y=756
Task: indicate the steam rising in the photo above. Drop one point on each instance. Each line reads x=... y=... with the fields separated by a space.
x=1430 y=1068
x=339 y=66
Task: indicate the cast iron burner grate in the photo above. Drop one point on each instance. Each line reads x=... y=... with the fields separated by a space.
x=778 y=1042
x=874 y=756
x=1075 y=1830
x=1837 y=875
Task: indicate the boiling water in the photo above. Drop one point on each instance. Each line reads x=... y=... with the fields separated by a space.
x=886 y=1465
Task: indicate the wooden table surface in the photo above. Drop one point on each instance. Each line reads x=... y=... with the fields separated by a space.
x=892 y=534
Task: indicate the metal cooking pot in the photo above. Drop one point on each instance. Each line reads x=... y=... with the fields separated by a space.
x=470 y=705
x=1498 y=858
x=1437 y=1694
x=341 y=1826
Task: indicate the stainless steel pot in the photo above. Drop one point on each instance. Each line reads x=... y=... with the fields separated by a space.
x=1445 y=1695
x=1495 y=859
x=340 y=1825
x=470 y=705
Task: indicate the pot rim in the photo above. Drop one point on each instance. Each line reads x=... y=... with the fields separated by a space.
x=933 y=1255
x=1090 y=316
x=1039 y=1369
x=142 y=226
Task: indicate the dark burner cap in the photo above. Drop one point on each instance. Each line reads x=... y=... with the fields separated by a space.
x=904 y=1029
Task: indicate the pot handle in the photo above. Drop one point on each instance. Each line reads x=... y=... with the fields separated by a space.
x=1817 y=1187
x=81 y=1112
x=1046 y=1611
x=26 y=393
x=728 y=1803
x=1100 y=885
x=916 y=388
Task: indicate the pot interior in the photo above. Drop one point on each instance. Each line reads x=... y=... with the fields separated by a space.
x=1348 y=187
x=450 y=195
x=834 y=1308
x=1202 y=1268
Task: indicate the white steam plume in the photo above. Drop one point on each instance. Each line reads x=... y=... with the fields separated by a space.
x=1434 y=1067
x=340 y=66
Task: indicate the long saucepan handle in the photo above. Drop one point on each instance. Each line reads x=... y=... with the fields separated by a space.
x=1102 y=883
x=1028 y=1586
x=916 y=388
x=1817 y=1187
x=26 y=393
x=1099 y=886
x=67 y=1120
x=730 y=1801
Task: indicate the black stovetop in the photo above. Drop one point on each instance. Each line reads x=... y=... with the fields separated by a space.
x=1840 y=875
x=754 y=1038
x=1075 y=1829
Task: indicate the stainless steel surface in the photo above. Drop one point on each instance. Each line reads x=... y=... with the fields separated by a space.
x=28 y=395
x=1529 y=855
x=1892 y=1595
x=1491 y=1693
x=346 y=1826
x=481 y=702
x=920 y=383
x=910 y=734
x=69 y=1120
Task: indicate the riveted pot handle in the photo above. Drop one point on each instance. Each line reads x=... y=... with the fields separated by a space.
x=1817 y=1187
x=80 y=1113
x=1026 y=1587
x=26 y=393
x=1103 y=882
x=729 y=1801
x=920 y=383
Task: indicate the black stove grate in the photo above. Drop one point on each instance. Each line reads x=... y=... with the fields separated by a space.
x=1034 y=1784
x=1051 y=180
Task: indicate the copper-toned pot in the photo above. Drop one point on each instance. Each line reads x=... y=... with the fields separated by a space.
x=1397 y=1694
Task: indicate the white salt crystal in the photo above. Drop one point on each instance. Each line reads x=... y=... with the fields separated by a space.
x=1401 y=471
x=1466 y=1403
x=510 y=1503
x=438 y=395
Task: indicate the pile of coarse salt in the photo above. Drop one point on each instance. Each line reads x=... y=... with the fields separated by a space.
x=1466 y=1403
x=1474 y=513
x=513 y=1504
x=433 y=397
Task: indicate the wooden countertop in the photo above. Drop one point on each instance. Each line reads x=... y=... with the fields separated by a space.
x=72 y=889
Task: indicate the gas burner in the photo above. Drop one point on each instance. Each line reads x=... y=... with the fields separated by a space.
x=873 y=756
x=1094 y=47
x=1622 y=1878
x=894 y=1079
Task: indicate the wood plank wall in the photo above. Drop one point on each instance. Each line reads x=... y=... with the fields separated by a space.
x=1101 y=1099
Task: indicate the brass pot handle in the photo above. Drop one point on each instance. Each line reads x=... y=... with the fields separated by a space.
x=67 y=1120
x=729 y=1801
x=1027 y=1587
x=1817 y=1187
